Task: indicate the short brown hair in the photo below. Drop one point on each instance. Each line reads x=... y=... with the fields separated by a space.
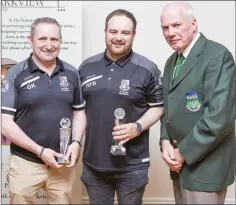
x=40 y=20
x=122 y=12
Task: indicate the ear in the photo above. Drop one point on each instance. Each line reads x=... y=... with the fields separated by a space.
x=105 y=32
x=30 y=39
x=194 y=23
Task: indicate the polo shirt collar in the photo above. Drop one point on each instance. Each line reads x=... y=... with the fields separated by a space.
x=33 y=67
x=121 y=62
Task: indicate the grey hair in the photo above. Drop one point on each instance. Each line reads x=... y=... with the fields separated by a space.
x=189 y=11
x=47 y=20
x=186 y=7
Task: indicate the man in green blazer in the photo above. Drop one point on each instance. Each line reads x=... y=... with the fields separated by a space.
x=198 y=127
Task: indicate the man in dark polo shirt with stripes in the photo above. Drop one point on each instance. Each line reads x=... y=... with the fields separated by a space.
x=41 y=95
x=121 y=81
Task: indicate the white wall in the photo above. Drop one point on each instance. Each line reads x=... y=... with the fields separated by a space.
x=216 y=21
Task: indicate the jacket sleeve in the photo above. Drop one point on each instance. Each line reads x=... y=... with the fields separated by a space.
x=218 y=110
x=164 y=133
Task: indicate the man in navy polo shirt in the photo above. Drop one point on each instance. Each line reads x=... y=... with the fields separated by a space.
x=123 y=82
x=39 y=96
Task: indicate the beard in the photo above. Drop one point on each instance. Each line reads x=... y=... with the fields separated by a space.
x=118 y=50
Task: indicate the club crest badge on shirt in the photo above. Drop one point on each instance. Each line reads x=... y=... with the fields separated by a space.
x=192 y=101
x=64 y=84
x=124 y=87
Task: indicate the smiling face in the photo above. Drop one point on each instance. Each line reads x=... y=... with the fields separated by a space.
x=178 y=28
x=119 y=36
x=46 y=42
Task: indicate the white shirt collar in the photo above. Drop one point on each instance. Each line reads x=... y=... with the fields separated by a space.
x=189 y=47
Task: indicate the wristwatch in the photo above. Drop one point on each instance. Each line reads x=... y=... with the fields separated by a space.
x=139 y=127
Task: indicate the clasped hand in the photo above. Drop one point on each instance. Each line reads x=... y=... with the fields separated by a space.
x=172 y=157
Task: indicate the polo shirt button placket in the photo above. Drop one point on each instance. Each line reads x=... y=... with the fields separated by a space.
x=113 y=64
x=49 y=83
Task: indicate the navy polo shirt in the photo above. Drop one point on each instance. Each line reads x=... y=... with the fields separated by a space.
x=132 y=83
x=39 y=102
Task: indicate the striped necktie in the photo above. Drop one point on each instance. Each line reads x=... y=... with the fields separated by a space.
x=179 y=64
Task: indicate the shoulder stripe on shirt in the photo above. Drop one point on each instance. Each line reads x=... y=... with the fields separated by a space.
x=158 y=103
x=10 y=109
x=91 y=79
x=29 y=81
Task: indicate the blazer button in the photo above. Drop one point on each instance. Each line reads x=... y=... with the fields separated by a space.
x=167 y=121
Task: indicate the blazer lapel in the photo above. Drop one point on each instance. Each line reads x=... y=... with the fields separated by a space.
x=169 y=69
x=190 y=62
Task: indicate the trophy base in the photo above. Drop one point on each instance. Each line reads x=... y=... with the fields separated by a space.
x=63 y=161
x=118 y=150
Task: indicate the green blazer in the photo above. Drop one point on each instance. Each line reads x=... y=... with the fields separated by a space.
x=200 y=115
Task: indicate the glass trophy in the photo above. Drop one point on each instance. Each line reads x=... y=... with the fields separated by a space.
x=117 y=149
x=65 y=132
